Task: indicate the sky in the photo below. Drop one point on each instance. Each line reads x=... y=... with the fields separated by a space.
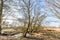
x=50 y=20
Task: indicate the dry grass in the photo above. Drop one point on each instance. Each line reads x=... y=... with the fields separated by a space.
x=45 y=34
x=8 y=31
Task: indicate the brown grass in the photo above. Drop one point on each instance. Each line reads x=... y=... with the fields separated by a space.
x=45 y=34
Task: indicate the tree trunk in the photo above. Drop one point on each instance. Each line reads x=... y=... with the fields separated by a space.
x=1 y=7
x=28 y=8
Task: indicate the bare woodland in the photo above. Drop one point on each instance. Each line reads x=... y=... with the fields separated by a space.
x=31 y=20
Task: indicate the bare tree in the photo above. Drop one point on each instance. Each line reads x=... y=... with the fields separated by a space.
x=28 y=12
x=32 y=18
x=31 y=15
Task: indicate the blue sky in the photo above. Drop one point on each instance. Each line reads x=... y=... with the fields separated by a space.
x=50 y=20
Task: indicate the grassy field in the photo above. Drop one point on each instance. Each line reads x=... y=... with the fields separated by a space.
x=44 y=34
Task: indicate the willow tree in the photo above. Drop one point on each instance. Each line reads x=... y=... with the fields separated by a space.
x=1 y=8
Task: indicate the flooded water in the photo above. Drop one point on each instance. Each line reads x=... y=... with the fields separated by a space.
x=20 y=35
x=17 y=35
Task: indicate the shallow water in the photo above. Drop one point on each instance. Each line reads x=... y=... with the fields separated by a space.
x=17 y=35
